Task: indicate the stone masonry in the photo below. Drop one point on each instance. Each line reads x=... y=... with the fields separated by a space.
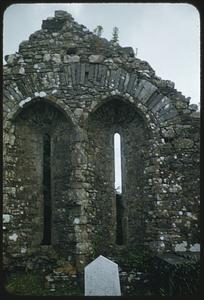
x=66 y=92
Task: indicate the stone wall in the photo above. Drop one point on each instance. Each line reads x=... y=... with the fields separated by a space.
x=81 y=89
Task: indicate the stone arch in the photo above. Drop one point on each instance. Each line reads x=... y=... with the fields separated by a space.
x=149 y=118
x=64 y=109
x=145 y=92
x=45 y=187
x=112 y=115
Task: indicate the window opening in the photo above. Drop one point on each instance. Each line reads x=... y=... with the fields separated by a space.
x=86 y=76
x=118 y=190
x=117 y=163
x=119 y=219
x=72 y=51
x=47 y=211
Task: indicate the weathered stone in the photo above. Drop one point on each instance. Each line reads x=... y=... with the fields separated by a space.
x=72 y=59
x=128 y=51
x=61 y=14
x=56 y=58
x=181 y=247
x=10 y=58
x=195 y=248
x=6 y=218
x=53 y=24
x=65 y=95
x=193 y=107
x=46 y=57
x=13 y=237
x=22 y=71
x=96 y=59
x=183 y=143
x=168 y=132
x=196 y=115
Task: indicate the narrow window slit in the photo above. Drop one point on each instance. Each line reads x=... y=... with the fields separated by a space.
x=119 y=219
x=86 y=75
x=118 y=189
x=72 y=51
x=47 y=211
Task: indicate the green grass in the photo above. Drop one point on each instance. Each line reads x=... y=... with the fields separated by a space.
x=33 y=284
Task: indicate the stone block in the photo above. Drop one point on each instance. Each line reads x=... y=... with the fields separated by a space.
x=96 y=59
x=6 y=218
x=60 y=14
x=183 y=143
x=56 y=58
x=102 y=278
x=193 y=107
x=46 y=57
x=10 y=58
x=147 y=90
x=128 y=51
x=73 y=58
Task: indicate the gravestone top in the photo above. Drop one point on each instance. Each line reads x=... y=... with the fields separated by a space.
x=102 y=278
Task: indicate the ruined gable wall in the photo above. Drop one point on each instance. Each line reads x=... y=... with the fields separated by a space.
x=73 y=70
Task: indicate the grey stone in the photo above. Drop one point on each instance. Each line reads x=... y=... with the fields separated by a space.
x=196 y=115
x=133 y=78
x=80 y=89
x=183 y=143
x=60 y=14
x=96 y=59
x=117 y=78
x=82 y=76
x=56 y=58
x=154 y=99
x=147 y=90
x=46 y=57
x=193 y=107
x=10 y=58
x=162 y=102
x=6 y=218
x=102 y=278
x=128 y=51
x=73 y=59
x=168 y=132
x=126 y=81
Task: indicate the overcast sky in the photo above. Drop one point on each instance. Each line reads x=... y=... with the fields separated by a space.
x=167 y=36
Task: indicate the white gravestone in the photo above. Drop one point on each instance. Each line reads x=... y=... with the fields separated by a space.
x=102 y=278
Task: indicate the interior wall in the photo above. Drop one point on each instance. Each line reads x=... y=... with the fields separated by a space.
x=117 y=116
x=32 y=124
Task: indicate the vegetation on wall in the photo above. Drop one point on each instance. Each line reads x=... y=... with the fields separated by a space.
x=115 y=35
x=98 y=30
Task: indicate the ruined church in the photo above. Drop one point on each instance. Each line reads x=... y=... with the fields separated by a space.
x=66 y=93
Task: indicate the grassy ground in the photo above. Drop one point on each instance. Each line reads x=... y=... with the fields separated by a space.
x=33 y=284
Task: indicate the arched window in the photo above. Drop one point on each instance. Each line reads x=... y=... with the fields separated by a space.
x=118 y=189
x=117 y=163
x=47 y=190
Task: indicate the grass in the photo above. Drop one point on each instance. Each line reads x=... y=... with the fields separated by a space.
x=33 y=284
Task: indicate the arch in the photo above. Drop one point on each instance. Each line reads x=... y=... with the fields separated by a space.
x=114 y=114
x=148 y=117
x=64 y=109
x=45 y=139
x=141 y=90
